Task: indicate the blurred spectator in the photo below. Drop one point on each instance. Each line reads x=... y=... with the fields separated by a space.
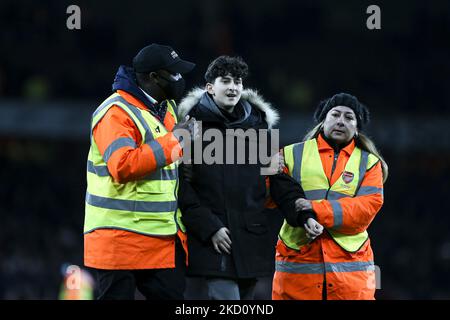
x=36 y=88
x=298 y=50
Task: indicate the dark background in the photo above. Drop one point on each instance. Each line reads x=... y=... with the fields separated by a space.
x=299 y=52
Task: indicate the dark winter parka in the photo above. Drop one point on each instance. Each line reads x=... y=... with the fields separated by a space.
x=212 y=196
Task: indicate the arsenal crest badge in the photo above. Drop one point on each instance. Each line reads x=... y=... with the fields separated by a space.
x=347 y=176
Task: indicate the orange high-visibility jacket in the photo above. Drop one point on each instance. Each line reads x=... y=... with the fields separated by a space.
x=323 y=262
x=119 y=249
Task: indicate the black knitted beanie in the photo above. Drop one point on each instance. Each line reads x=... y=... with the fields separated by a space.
x=347 y=100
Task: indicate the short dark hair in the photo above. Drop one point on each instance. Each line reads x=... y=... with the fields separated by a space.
x=225 y=65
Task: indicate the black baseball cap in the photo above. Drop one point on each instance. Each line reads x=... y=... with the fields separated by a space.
x=155 y=56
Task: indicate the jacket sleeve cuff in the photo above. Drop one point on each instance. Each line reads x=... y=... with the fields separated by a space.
x=171 y=147
x=205 y=229
x=303 y=216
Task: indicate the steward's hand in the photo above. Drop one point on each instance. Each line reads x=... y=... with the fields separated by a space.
x=191 y=127
x=313 y=229
x=276 y=164
x=302 y=204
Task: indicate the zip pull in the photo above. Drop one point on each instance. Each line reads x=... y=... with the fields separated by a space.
x=336 y=156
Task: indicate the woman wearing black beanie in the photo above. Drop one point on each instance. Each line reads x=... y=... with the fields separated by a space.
x=333 y=185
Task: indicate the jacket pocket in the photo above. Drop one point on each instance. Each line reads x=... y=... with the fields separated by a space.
x=155 y=217
x=256 y=223
x=363 y=253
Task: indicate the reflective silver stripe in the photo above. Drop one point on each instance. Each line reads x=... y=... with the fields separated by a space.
x=369 y=190
x=158 y=152
x=321 y=193
x=302 y=268
x=171 y=174
x=316 y=194
x=174 y=108
x=350 y=266
x=131 y=205
x=126 y=229
x=320 y=268
x=334 y=195
x=109 y=102
x=337 y=213
x=101 y=171
x=362 y=168
x=117 y=144
x=106 y=103
x=138 y=114
x=297 y=151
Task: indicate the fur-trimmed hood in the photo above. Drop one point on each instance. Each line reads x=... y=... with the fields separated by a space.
x=196 y=95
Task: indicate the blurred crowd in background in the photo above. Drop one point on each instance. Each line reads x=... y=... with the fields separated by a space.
x=299 y=52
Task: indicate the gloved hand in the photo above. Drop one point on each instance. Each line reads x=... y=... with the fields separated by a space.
x=307 y=218
x=313 y=229
x=276 y=164
x=188 y=126
x=304 y=209
x=302 y=204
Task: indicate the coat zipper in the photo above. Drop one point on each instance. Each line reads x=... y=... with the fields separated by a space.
x=336 y=156
x=324 y=284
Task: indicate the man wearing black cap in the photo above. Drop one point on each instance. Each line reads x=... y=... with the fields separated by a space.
x=133 y=233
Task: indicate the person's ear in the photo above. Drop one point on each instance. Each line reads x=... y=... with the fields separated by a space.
x=210 y=88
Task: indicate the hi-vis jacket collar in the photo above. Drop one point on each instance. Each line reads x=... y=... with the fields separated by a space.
x=323 y=145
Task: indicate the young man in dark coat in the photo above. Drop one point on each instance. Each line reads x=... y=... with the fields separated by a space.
x=223 y=202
